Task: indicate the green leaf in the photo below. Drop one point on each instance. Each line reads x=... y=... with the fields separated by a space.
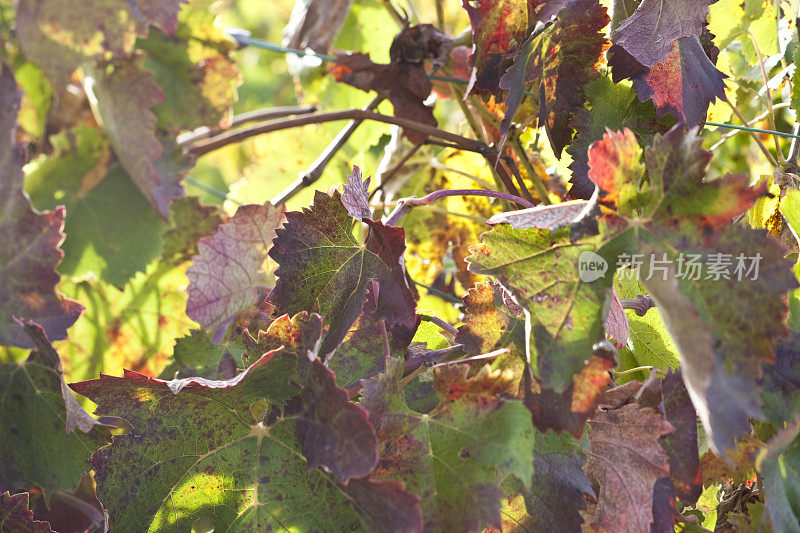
x=779 y=467
x=614 y=107
x=541 y=271
x=324 y=269
x=37 y=417
x=111 y=231
x=651 y=343
x=721 y=344
x=455 y=457
x=559 y=485
x=29 y=241
x=361 y=353
x=123 y=96
x=194 y=69
x=491 y=323
x=241 y=453
x=190 y=221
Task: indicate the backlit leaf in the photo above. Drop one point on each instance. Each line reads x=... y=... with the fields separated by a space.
x=240 y=452
x=779 y=466
x=649 y=32
x=15 y=516
x=684 y=84
x=541 y=271
x=455 y=457
x=29 y=242
x=123 y=99
x=626 y=460
x=324 y=269
x=38 y=417
x=356 y=195
x=232 y=271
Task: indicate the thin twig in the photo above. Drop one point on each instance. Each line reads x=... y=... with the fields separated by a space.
x=269 y=113
x=387 y=351
x=439 y=322
x=314 y=172
x=760 y=144
x=238 y=135
x=516 y=145
x=768 y=93
x=794 y=151
x=406 y=204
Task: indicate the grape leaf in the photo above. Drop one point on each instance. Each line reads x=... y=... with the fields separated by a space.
x=781 y=382
x=610 y=106
x=29 y=242
x=496 y=26
x=454 y=457
x=106 y=237
x=59 y=36
x=551 y=217
x=779 y=466
x=404 y=84
x=649 y=32
x=541 y=271
x=193 y=67
x=361 y=353
x=15 y=516
x=123 y=99
x=232 y=271
x=241 y=453
x=626 y=459
x=651 y=344
x=195 y=355
x=616 y=325
x=356 y=195
x=324 y=269
x=569 y=410
x=681 y=445
x=684 y=84
x=614 y=166
x=559 y=484
x=561 y=62
x=575 y=46
x=721 y=358
x=189 y=222
x=37 y=417
x=491 y=322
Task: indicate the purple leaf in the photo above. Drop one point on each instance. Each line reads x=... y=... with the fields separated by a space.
x=552 y=217
x=356 y=195
x=684 y=84
x=29 y=242
x=232 y=273
x=648 y=34
x=616 y=322
x=15 y=516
